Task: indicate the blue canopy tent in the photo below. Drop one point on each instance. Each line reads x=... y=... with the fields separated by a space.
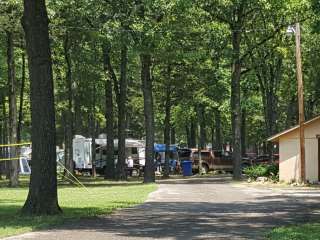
x=159 y=147
x=160 y=150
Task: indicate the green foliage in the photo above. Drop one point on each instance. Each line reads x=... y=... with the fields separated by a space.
x=193 y=39
x=263 y=170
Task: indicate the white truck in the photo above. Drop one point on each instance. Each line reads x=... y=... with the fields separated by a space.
x=82 y=152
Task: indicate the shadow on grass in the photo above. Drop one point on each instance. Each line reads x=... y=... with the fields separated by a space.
x=12 y=222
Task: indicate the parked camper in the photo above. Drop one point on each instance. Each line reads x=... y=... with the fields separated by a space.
x=82 y=154
x=135 y=150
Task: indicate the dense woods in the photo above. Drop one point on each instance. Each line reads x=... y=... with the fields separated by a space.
x=194 y=73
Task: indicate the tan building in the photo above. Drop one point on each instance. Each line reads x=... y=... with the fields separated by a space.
x=289 y=157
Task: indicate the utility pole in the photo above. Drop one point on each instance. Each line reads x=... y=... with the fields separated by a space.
x=300 y=102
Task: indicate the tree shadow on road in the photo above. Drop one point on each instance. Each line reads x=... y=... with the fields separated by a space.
x=203 y=220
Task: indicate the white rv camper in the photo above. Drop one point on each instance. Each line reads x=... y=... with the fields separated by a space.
x=134 y=150
x=82 y=153
x=83 y=157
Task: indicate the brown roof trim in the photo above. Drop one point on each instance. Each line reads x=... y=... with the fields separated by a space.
x=276 y=137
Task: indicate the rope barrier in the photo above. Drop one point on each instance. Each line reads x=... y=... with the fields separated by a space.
x=15 y=144
x=63 y=176
x=9 y=159
x=73 y=176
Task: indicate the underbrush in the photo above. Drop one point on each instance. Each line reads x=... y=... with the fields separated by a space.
x=270 y=171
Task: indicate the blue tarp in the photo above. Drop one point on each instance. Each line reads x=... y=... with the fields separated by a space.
x=162 y=148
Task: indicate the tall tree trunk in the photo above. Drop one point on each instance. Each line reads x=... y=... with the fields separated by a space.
x=93 y=129
x=213 y=144
x=3 y=134
x=42 y=198
x=193 y=134
x=218 y=129
x=235 y=102
x=69 y=114
x=149 y=175
x=77 y=118
x=188 y=135
x=93 y=145
x=166 y=135
x=202 y=124
x=122 y=98
x=243 y=131
x=13 y=164
x=173 y=135
x=23 y=79
x=110 y=167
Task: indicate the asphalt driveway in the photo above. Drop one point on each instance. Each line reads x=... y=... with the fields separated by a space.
x=206 y=208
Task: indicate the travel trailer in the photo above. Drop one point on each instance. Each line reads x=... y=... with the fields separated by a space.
x=82 y=152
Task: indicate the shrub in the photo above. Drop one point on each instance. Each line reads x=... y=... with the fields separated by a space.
x=263 y=170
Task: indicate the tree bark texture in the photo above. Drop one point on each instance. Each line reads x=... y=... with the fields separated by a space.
x=218 y=138
x=69 y=113
x=166 y=134
x=121 y=165
x=202 y=124
x=188 y=135
x=42 y=198
x=173 y=135
x=23 y=80
x=149 y=175
x=110 y=166
x=193 y=134
x=93 y=129
x=4 y=136
x=235 y=102
x=243 y=131
x=13 y=151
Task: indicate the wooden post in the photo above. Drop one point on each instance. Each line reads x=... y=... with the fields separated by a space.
x=301 y=104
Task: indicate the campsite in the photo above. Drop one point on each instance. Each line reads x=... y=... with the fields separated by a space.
x=159 y=119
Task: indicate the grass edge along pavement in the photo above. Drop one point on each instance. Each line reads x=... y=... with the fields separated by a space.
x=308 y=231
x=102 y=197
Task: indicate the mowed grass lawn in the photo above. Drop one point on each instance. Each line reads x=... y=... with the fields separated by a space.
x=102 y=197
x=300 y=232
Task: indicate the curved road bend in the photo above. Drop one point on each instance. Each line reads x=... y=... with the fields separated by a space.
x=206 y=208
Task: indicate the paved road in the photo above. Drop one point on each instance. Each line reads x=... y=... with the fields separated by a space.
x=211 y=208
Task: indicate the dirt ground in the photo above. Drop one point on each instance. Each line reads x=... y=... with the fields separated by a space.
x=203 y=208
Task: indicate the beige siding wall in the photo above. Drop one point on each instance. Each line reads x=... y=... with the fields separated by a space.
x=289 y=157
x=289 y=165
x=312 y=151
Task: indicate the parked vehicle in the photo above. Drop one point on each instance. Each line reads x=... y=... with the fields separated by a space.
x=211 y=159
x=82 y=153
x=135 y=155
x=265 y=159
